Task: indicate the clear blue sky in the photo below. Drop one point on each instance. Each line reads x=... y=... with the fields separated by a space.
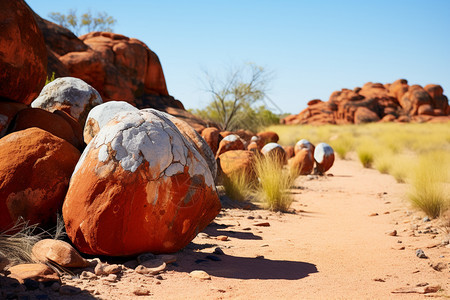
x=312 y=47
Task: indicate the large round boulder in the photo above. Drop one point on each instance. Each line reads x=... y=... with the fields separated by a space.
x=324 y=157
x=23 y=55
x=235 y=161
x=230 y=142
x=303 y=144
x=140 y=186
x=68 y=94
x=268 y=137
x=35 y=168
x=100 y=115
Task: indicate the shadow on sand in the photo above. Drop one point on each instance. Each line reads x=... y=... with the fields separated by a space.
x=247 y=267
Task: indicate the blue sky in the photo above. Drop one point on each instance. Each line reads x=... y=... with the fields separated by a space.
x=312 y=47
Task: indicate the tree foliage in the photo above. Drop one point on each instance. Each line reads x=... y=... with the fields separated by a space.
x=233 y=97
x=85 y=23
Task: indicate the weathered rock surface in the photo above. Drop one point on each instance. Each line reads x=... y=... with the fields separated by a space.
x=212 y=137
x=36 y=272
x=268 y=137
x=275 y=151
x=230 y=142
x=237 y=161
x=58 y=123
x=303 y=162
x=195 y=138
x=35 y=168
x=23 y=57
x=68 y=94
x=101 y=114
x=324 y=157
x=373 y=102
x=140 y=186
x=303 y=144
x=59 y=252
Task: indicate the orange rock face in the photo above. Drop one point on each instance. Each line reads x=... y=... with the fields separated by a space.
x=413 y=98
x=212 y=137
x=365 y=115
x=303 y=162
x=120 y=68
x=23 y=56
x=238 y=161
x=57 y=123
x=140 y=186
x=230 y=142
x=324 y=157
x=34 y=180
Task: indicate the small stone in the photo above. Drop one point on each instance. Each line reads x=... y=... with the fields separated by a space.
x=218 y=251
x=250 y=217
x=399 y=248
x=213 y=258
x=141 y=292
x=264 y=245
x=69 y=290
x=373 y=214
x=159 y=277
x=222 y=238
x=426 y=219
x=112 y=269
x=153 y=267
x=262 y=224
x=100 y=269
x=386 y=213
x=200 y=275
x=144 y=257
x=420 y=253
x=88 y=275
x=392 y=233
x=246 y=228
x=258 y=217
x=111 y=278
x=438 y=266
x=379 y=280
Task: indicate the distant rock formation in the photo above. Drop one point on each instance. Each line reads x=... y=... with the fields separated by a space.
x=375 y=102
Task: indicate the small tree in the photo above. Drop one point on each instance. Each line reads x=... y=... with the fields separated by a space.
x=85 y=23
x=241 y=87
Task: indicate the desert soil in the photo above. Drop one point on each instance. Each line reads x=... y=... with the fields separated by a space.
x=337 y=244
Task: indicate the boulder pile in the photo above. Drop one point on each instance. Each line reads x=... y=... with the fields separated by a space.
x=376 y=102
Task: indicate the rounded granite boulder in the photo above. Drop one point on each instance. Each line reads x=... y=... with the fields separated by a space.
x=140 y=186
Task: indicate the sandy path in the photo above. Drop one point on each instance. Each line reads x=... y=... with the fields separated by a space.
x=329 y=249
x=333 y=249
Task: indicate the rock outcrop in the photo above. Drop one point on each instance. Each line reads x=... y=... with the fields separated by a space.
x=140 y=186
x=23 y=57
x=375 y=102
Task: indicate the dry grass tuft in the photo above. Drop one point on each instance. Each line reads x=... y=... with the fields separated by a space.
x=274 y=183
x=237 y=186
x=428 y=185
x=17 y=242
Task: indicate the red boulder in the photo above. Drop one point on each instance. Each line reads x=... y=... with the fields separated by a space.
x=23 y=56
x=35 y=168
x=140 y=186
x=230 y=142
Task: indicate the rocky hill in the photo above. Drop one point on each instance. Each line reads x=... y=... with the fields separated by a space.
x=376 y=102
